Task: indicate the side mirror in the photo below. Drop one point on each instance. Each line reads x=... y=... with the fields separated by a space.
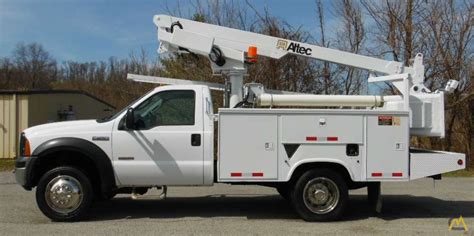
x=130 y=119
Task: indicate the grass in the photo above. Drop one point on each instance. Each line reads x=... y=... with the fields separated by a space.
x=7 y=164
x=461 y=173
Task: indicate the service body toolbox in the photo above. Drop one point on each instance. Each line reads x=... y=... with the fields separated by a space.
x=265 y=144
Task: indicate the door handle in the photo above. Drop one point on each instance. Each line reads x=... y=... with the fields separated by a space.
x=195 y=139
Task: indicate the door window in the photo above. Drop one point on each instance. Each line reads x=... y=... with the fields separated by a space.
x=166 y=108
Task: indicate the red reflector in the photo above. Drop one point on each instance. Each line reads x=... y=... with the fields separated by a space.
x=377 y=174
x=460 y=162
x=397 y=174
x=252 y=60
x=332 y=139
x=311 y=138
x=236 y=174
x=257 y=174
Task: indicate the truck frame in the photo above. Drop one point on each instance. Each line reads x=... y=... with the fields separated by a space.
x=311 y=148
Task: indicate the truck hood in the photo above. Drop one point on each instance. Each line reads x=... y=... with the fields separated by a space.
x=81 y=129
x=63 y=127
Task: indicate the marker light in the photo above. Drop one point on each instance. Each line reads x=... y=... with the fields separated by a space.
x=252 y=54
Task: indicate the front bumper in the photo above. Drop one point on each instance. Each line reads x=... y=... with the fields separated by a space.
x=23 y=171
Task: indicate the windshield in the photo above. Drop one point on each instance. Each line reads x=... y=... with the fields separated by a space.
x=112 y=117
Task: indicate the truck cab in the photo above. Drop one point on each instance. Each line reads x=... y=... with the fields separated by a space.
x=170 y=140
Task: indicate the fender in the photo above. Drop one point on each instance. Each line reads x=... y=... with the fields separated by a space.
x=100 y=159
x=316 y=160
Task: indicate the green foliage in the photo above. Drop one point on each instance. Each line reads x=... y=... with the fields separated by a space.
x=460 y=173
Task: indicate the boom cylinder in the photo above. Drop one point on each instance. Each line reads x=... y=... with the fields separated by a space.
x=307 y=100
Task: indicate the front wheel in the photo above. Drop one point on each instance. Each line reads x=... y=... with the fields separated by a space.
x=320 y=195
x=64 y=194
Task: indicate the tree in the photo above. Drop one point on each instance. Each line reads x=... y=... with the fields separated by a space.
x=442 y=31
x=35 y=67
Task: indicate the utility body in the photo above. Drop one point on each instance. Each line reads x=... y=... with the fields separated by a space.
x=312 y=156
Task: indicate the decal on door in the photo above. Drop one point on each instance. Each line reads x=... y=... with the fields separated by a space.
x=389 y=120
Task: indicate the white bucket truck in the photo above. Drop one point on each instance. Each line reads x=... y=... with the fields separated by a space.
x=311 y=148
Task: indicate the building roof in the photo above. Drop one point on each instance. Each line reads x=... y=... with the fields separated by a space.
x=54 y=91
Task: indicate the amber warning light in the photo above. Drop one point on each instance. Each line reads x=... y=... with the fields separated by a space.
x=252 y=54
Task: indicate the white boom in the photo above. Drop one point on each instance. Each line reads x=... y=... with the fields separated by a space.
x=228 y=48
x=202 y=38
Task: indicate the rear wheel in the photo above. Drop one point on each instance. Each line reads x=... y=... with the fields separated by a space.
x=320 y=195
x=64 y=194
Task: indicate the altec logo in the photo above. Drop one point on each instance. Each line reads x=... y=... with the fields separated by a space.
x=294 y=47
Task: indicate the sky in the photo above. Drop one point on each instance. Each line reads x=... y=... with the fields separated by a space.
x=94 y=30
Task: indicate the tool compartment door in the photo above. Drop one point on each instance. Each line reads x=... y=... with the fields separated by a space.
x=247 y=147
x=387 y=146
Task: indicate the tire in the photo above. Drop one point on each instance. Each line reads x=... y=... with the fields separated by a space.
x=332 y=198
x=72 y=198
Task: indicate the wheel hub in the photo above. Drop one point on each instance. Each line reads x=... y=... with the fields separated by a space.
x=64 y=194
x=321 y=195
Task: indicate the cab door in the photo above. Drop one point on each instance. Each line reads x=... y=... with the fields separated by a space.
x=165 y=145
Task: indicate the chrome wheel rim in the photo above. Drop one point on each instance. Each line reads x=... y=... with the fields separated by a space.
x=64 y=194
x=321 y=195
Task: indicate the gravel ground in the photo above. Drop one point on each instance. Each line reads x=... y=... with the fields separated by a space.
x=415 y=207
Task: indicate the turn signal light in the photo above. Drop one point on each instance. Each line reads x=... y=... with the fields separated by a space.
x=27 y=151
x=252 y=54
